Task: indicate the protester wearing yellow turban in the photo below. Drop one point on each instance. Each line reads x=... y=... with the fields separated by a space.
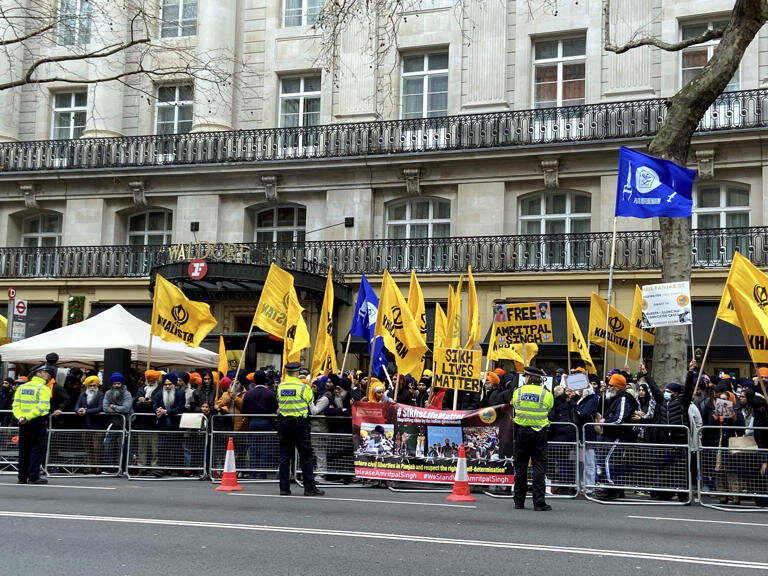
x=376 y=391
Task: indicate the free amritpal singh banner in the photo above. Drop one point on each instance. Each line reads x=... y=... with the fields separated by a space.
x=324 y=358
x=617 y=337
x=576 y=341
x=503 y=347
x=272 y=310
x=176 y=318
x=747 y=279
x=418 y=310
x=397 y=326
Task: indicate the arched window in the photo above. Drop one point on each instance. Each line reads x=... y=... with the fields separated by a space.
x=551 y=214
x=419 y=218
x=41 y=230
x=719 y=208
x=150 y=228
x=281 y=224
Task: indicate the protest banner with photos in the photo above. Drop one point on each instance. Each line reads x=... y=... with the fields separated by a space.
x=667 y=304
x=457 y=369
x=412 y=444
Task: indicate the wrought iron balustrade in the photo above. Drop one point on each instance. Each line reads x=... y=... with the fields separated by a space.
x=486 y=254
x=590 y=122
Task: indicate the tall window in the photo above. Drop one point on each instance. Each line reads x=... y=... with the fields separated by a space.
x=550 y=215
x=41 y=230
x=718 y=209
x=150 y=228
x=559 y=72
x=694 y=58
x=174 y=109
x=74 y=22
x=299 y=108
x=281 y=224
x=420 y=223
x=301 y=12
x=69 y=110
x=179 y=18
x=424 y=86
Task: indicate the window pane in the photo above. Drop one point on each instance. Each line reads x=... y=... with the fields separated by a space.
x=574 y=47
x=285 y=236
x=186 y=93
x=137 y=223
x=30 y=242
x=81 y=99
x=397 y=232
x=737 y=197
x=302 y=218
x=420 y=231
x=581 y=226
x=156 y=221
x=545 y=49
x=31 y=225
x=397 y=212
x=555 y=226
x=691 y=30
x=265 y=237
x=312 y=84
x=441 y=230
x=442 y=210
x=420 y=210
x=289 y=113
x=437 y=101
x=136 y=240
x=155 y=239
x=311 y=112
x=709 y=197
x=581 y=204
x=708 y=221
x=166 y=93
x=49 y=241
x=291 y=85
x=413 y=63
x=292 y=13
x=50 y=223
x=285 y=216
x=62 y=100
x=694 y=57
x=531 y=227
x=531 y=206
x=555 y=203
x=437 y=62
x=737 y=219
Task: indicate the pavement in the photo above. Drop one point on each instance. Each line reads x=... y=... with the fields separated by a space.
x=113 y=526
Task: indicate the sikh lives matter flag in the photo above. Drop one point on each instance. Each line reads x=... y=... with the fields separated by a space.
x=272 y=310
x=397 y=327
x=576 y=342
x=618 y=337
x=176 y=318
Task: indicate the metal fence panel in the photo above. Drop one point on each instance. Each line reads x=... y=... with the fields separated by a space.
x=654 y=471
x=9 y=444
x=97 y=450
x=728 y=475
x=256 y=446
x=158 y=453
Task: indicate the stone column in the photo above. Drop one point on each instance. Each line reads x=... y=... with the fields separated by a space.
x=105 y=99
x=10 y=69
x=216 y=35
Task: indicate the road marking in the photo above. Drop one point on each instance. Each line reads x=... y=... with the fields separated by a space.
x=360 y=500
x=410 y=538
x=699 y=521
x=59 y=486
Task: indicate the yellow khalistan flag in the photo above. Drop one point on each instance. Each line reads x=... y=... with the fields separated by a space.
x=636 y=323
x=3 y=325
x=418 y=310
x=473 y=323
x=440 y=327
x=400 y=331
x=175 y=318
x=296 y=336
x=324 y=359
x=223 y=365
x=618 y=328
x=747 y=279
x=453 y=332
x=576 y=341
x=272 y=309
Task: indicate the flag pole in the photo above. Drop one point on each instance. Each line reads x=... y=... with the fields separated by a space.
x=693 y=350
x=608 y=299
x=642 y=333
x=346 y=351
x=151 y=323
x=386 y=373
x=240 y=362
x=706 y=352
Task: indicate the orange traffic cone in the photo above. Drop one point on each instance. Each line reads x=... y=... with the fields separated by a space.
x=229 y=478
x=461 y=484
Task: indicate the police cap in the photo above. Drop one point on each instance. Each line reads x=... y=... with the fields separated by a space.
x=45 y=368
x=293 y=366
x=533 y=371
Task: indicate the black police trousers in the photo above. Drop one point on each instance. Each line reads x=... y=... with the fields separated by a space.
x=33 y=441
x=293 y=434
x=530 y=445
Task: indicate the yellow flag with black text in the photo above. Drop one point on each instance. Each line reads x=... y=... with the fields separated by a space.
x=418 y=310
x=176 y=318
x=398 y=328
x=502 y=347
x=617 y=336
x=324 y=358
x=576 y=341
x=636 y=323
x=440 y=327
x=753 y=321
x=453 y=334
x=296 y=336
x=473 y=322
x=272 y=309
x=747 y=279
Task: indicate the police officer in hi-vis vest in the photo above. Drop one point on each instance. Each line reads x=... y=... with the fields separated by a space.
x=294 y=398
x=31 y=405
x=532 y=403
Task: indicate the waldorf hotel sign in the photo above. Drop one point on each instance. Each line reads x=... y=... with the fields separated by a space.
x=213 y=251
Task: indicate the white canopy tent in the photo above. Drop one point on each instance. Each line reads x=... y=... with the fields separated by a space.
x=84 y=343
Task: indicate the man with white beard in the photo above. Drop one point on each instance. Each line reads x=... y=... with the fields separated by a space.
x=145 y=421
x=169 y=405
x=89 y=404
x=117 y=401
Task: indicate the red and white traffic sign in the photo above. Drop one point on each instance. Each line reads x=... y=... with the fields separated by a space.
x=197 y=269
x=20 y=308
x=11 y=293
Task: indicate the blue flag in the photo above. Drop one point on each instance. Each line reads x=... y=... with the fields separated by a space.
x=649 y=186
x=364 y=324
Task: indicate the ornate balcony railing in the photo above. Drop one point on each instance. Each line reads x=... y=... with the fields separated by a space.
x=591 y=122
x=505 y=254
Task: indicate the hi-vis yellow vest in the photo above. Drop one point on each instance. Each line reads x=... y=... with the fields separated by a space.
x=532 y=403
x=293 y=397
x=32 y=399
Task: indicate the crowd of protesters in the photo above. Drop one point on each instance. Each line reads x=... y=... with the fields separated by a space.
x=155 y=400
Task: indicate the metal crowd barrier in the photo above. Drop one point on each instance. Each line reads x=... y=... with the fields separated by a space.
x=655 y=469
x=97 y=449
x=9 y=443
x=256 y=451
x=563 y=466
x=332 y=448
x=728 y=475
x=166 y=452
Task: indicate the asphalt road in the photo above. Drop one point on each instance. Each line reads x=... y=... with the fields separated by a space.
x=109 y=526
